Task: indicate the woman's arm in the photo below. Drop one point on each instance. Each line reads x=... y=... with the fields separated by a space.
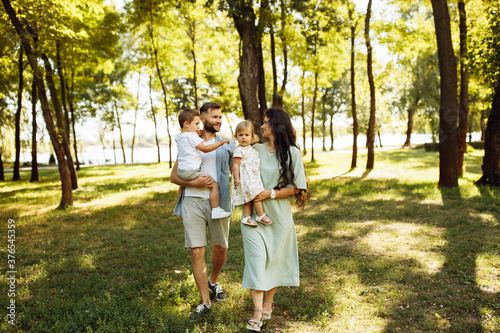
x=281 y=193
x=201 y=181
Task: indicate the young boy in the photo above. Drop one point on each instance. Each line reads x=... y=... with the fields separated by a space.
x=189 y=148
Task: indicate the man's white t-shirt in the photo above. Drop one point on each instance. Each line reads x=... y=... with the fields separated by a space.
x=208 y=167
x=188 y=157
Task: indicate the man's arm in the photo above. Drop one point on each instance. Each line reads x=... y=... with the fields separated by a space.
x=201 y=181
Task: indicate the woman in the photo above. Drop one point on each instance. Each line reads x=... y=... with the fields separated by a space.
x=271 y=255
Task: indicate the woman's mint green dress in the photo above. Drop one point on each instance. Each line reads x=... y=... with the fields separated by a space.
x=271 y=253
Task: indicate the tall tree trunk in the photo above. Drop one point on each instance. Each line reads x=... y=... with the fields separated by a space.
x=483 y=125
x=153 y=113
x=263 y=23
x=331 y=133
x=281 y=93
x=49 y=76
x=2 y=171
x=16 y=174
x=73 y=121
x=370 y=134
x=63 y=91
x=303 y=114
x=135 y=116
x=448 y=110
x=323 y=125
x=191 y=32
x=353 y=94
x=163 y=87
x=491 y=159
x=248 y=80
x=463 y=115
x=313 y=113
x=67 y=194
x=409 y=129
x=34 y=159
x=118 y=122
x=273 y=63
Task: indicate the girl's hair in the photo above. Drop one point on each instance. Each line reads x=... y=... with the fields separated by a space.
x=246 y=124
x=187 y=115
x=284 y=139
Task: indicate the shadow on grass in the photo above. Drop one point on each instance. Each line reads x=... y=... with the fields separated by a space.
x=407 y=295
x=124 y=267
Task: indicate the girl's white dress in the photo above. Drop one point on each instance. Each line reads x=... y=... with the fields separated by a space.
x=250 y=181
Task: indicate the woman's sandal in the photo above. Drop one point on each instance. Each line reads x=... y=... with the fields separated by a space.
x=266 y=315
x=247 y=220
x=258 y=323
x=264 y=219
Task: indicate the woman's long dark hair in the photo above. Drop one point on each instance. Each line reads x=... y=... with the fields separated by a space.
x=285 y=138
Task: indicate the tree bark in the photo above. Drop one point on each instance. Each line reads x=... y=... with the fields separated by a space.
x=250 y=66
x=409 y=129
x=163 y=88
x=448 y=110
x=276 y=99
x=331 y=133
x=16 y=174
x=303 y=114
x=122 y=145
x=34 y=159
x=313 y=114
x=63 y=91
x=370 y=135
x=73 y=121
x=2 y=171
x=49 y=76
x=491 y=159
x=463 y=115
x=67 y=195
x=153 y=114
x=353 y=95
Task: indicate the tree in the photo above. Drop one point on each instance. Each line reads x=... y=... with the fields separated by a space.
x=353 y=25
x=448 y=111
x=370 y=134
x=67 y=195
x=16 y=174
x=463 y=115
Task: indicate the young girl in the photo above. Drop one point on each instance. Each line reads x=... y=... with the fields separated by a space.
x=246 y=176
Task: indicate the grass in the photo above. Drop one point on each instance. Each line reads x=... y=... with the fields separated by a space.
x=380 y=251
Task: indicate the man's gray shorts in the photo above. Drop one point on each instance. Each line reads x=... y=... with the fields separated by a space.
x=196 y=217
x=188 y=174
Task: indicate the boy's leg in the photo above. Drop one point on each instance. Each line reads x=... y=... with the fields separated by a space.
x=214 y=195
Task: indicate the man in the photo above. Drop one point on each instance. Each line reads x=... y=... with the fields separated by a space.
x=194 y=207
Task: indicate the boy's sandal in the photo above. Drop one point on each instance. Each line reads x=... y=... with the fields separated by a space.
x=258 y=323
x=249 y=221
x=266 y=315
x=264 y=219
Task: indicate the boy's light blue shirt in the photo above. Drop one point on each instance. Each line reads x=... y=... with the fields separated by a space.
x=224 y=160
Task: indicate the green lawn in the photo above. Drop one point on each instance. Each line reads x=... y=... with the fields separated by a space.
x=380 y=251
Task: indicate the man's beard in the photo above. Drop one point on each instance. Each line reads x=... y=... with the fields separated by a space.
x=210 y=128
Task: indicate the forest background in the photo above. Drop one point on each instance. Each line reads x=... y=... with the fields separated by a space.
x=338 y=69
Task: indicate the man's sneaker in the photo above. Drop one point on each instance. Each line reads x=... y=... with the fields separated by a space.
x=219 y=213
x=216 y=292
x=201 y=311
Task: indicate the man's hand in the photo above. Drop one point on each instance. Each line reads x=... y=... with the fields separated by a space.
x=203 y=181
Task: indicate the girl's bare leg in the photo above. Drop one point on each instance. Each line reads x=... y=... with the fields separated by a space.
x=259 y=207
x=247 y=209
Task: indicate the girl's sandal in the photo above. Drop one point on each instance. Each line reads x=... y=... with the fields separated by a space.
x=266 y=315
x=247 y=220
x=258 y=323
x=264 y=219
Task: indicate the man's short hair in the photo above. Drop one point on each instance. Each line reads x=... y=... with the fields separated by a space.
x=210 y=105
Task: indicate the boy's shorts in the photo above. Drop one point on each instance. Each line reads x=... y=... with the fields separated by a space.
x=196 y=213
x=188 y=174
